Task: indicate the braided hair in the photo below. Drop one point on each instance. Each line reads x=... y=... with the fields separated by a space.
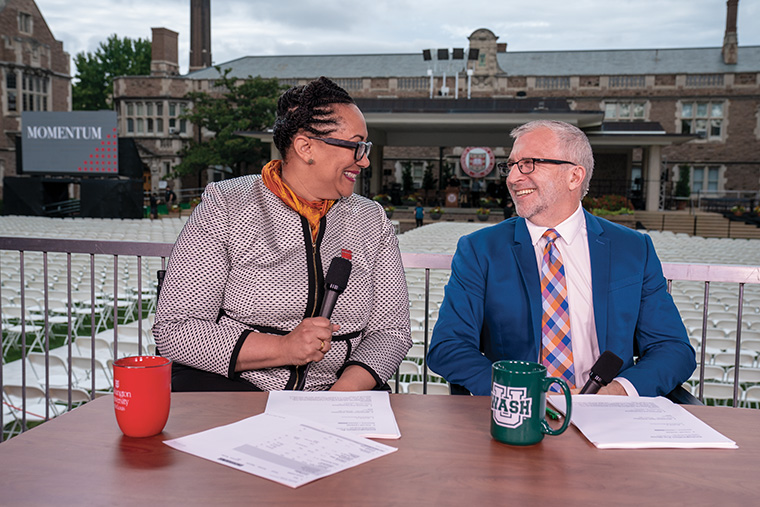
x=307 y=108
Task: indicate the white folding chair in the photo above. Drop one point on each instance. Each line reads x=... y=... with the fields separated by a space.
x=18 y=327
x=58 y=371
x=416 y=353
x=712 y=372
x=717 y=393
x=752 y=396
x=38 y=407
x=83 y=366
x=746 y=375
x=103 y=350
x=432 y=388
x=727 y=359
x=60 y=397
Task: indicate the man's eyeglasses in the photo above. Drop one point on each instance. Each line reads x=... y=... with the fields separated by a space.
x=528 y=165
x=361 y=149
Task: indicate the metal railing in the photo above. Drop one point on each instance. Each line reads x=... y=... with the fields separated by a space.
x=116 y=251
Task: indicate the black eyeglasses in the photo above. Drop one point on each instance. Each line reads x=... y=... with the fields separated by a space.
x=528 y=165
x=361 y=149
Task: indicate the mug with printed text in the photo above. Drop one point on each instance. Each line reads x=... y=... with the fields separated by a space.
x=518 y=402
x=142 y=394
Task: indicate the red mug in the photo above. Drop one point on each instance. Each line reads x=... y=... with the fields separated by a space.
x=142 y=394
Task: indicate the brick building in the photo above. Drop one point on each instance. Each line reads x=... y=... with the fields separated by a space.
x=34 y=73
x=647 y=112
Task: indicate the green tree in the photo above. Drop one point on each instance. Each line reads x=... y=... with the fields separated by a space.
x=407 y=180
x=247 y=105
x=93 y=86
x=683 y=188
x=447 y=171
x=428 y=180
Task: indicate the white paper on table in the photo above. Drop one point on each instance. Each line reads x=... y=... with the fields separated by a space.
x=362 y=413
x=282 y=449
x=630 y=422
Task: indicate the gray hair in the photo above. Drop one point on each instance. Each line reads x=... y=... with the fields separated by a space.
x=573 y=141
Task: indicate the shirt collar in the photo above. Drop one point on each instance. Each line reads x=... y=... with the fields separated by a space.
x=568 y=230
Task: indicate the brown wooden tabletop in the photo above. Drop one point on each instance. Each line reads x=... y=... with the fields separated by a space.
x=446 y=457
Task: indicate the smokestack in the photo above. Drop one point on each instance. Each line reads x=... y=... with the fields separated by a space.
x=730 y=41
x=163 y=59
x=200 y=34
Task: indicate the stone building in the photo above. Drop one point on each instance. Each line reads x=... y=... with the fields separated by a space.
x=34 y=73
x=647 y=112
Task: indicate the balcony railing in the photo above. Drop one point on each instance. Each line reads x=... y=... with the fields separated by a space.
x=110 y=287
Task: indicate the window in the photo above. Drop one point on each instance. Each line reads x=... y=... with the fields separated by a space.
x=10 y=86
x=25 y=22
x=705 y=179
x=34 y=92
x=418 y=171
x=704 y=80
x=625 y=110
x=413 y=83
x=144 y=117
x=703 y=118
x=552 y=83
x=350 y=83
x=626 y=82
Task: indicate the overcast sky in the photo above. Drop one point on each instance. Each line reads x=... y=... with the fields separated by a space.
x=287 y=27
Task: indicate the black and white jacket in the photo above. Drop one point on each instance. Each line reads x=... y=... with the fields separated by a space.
x=245 y=262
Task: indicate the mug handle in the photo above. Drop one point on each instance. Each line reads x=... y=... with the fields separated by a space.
x=545 y=428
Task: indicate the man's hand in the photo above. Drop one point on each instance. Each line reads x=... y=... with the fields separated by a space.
x=614 y=388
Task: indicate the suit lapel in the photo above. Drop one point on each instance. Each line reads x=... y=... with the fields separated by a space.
x=526 y=262
x=599 y=253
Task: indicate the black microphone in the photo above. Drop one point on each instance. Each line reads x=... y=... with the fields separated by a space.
x=335 y=283
x=604 y=370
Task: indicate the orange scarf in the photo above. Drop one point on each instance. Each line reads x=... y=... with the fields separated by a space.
x=313 y=211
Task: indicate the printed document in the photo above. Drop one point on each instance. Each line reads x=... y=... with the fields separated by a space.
x=362 y=413
x=623 y=422
x=282 y=449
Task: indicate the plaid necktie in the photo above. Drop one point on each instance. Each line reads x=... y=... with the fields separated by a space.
x=556 y=346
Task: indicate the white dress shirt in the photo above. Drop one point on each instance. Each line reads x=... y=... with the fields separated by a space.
x=573 y=246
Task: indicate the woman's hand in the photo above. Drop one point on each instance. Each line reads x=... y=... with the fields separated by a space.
x=309 y=341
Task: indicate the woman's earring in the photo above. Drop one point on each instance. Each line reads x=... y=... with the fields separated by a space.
x=311 y=161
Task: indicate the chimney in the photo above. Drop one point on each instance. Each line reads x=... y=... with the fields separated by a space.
x=164 y=55
x=730 y=41
x=200 y=34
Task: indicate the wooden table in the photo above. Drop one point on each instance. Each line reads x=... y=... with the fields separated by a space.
x=445 y=457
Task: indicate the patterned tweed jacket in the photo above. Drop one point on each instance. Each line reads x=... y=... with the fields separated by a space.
x=245 y=263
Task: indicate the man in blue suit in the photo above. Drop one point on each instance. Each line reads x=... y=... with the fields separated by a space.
x=615 y=289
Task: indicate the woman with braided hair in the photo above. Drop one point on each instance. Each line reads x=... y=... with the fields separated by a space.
x=243 y=289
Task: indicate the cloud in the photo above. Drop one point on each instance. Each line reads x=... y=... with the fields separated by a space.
x=241 y=28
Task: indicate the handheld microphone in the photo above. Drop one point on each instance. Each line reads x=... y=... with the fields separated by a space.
x=335 y=283
x=604 y=370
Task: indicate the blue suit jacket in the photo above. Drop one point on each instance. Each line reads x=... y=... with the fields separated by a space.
x=492 y=308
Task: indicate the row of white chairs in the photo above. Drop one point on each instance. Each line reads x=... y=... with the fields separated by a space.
x=722 y=374
x=715 y=393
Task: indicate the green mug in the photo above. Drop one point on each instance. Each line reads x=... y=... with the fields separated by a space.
x=518 y=402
